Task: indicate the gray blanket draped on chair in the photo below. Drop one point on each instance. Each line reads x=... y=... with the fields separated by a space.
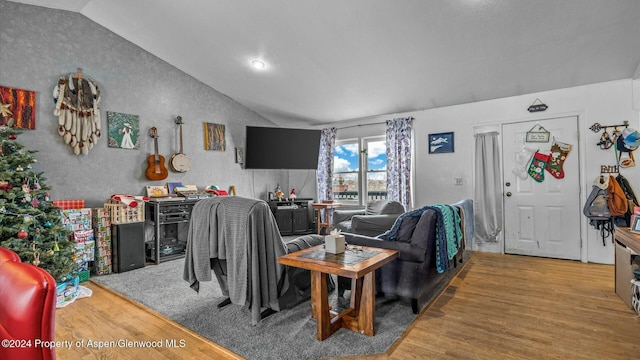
x=243 y=232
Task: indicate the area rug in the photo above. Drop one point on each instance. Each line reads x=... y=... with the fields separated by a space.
x=288 y=334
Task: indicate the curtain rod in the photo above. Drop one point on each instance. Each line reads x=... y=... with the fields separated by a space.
x=375 y=123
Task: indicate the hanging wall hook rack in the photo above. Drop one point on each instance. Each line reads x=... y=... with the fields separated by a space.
x=597 y=127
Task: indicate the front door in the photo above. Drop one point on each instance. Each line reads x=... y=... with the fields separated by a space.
x=542 y=218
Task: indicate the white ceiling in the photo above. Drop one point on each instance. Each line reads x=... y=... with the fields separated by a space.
x=332 y=60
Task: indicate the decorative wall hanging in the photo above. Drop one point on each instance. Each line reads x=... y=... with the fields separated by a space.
x=124 y=130
x=239 y=155
x=77 y=98
x=537 y=106
x=538 y=134
x=17 y=105
x=441 y=143
x=214 y=137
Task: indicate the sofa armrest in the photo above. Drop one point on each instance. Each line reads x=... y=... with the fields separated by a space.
x=372 y=225
x=407 y=252
x=344 y=215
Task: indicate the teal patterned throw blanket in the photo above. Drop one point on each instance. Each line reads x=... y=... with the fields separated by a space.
x=448 y=232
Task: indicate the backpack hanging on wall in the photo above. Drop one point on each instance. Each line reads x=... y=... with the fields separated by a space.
x=632 y=200
x=596 y=208
x=618 y=204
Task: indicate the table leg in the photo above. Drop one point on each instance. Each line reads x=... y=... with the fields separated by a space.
x=318 y=219
x=320 y=304
x=366 y=312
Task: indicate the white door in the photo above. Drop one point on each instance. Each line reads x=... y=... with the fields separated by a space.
x=542 y=218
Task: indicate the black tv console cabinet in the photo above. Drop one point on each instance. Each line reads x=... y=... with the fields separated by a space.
x=293 y=216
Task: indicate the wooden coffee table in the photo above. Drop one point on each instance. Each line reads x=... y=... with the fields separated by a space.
x=358 y=263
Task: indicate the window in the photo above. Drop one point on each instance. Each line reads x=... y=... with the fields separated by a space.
x=360 y=164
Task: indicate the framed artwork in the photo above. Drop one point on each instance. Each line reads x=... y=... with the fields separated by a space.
x=239 y=155
x=124 y=130
x=214 y=137
x=157 y=191
x=635 y=224
x=19 y=105
x=441 y=143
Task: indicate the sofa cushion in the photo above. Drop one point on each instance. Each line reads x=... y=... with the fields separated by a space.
x=379 y=207
x=407 y=227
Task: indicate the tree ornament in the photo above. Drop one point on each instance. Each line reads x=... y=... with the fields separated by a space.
x=36 y=184
x=4 y=110
x=50 y=252
x=22 y=234
x=19 y=168
x=27 y=191
x=55 y=246
x=4 y=185
x=12 y=136
x=36 y=259
x=48 y=224
x=46 y=196
x=35 y=203
x=27 y=218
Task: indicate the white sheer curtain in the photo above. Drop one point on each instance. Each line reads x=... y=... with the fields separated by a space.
x=488 y=188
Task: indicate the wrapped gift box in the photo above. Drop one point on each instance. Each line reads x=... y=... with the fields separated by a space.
x=68 y=204
x=77 y=219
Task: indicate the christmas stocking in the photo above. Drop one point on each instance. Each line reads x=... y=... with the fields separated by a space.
x=523 y=158
x=559 y=152
x=536 y=169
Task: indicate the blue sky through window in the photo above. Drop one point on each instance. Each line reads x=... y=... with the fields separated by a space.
x=346 y=157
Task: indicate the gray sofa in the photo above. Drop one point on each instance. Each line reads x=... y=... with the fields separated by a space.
x=414 y=274
x=376 y=218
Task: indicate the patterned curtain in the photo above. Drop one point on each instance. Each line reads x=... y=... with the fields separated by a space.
x=325 y=164
x=399 y=160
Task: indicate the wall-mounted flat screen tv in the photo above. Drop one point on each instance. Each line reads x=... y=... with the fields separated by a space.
x=281 y=148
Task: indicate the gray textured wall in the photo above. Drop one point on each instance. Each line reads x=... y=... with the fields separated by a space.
x=38 y=45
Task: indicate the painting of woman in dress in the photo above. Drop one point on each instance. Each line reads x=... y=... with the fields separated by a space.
x=124 y=130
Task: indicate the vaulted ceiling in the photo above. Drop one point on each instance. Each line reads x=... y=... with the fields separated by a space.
x=333 y=60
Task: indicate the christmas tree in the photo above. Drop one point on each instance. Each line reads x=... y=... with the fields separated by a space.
x=29 y=224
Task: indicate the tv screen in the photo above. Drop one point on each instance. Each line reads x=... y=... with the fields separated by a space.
x=281 y=148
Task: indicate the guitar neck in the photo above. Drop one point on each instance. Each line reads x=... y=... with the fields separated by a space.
x=155 y=144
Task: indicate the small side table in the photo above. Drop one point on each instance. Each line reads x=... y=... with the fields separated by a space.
x=324 y=207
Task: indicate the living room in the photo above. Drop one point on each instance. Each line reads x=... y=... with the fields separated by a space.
x=38 y=45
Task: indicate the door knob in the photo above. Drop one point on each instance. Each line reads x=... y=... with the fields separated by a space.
x=508 y=194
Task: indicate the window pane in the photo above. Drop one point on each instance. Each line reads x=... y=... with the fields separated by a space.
x=376 y=155
x=376 y=170
x=346 y=165
x=345 y=187
x=376 y=185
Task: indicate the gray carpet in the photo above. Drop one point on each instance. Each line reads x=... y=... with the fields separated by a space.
x=289 y=334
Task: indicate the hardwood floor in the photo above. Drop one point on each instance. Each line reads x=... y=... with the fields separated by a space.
x=499 y=307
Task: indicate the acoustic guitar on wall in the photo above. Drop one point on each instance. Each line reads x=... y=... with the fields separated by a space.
x=156 y=169
x=180 y=162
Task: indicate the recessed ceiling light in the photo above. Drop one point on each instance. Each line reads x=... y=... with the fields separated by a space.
x=258 y=64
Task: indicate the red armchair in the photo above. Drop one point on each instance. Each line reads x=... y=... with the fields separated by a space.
x=27 y=309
